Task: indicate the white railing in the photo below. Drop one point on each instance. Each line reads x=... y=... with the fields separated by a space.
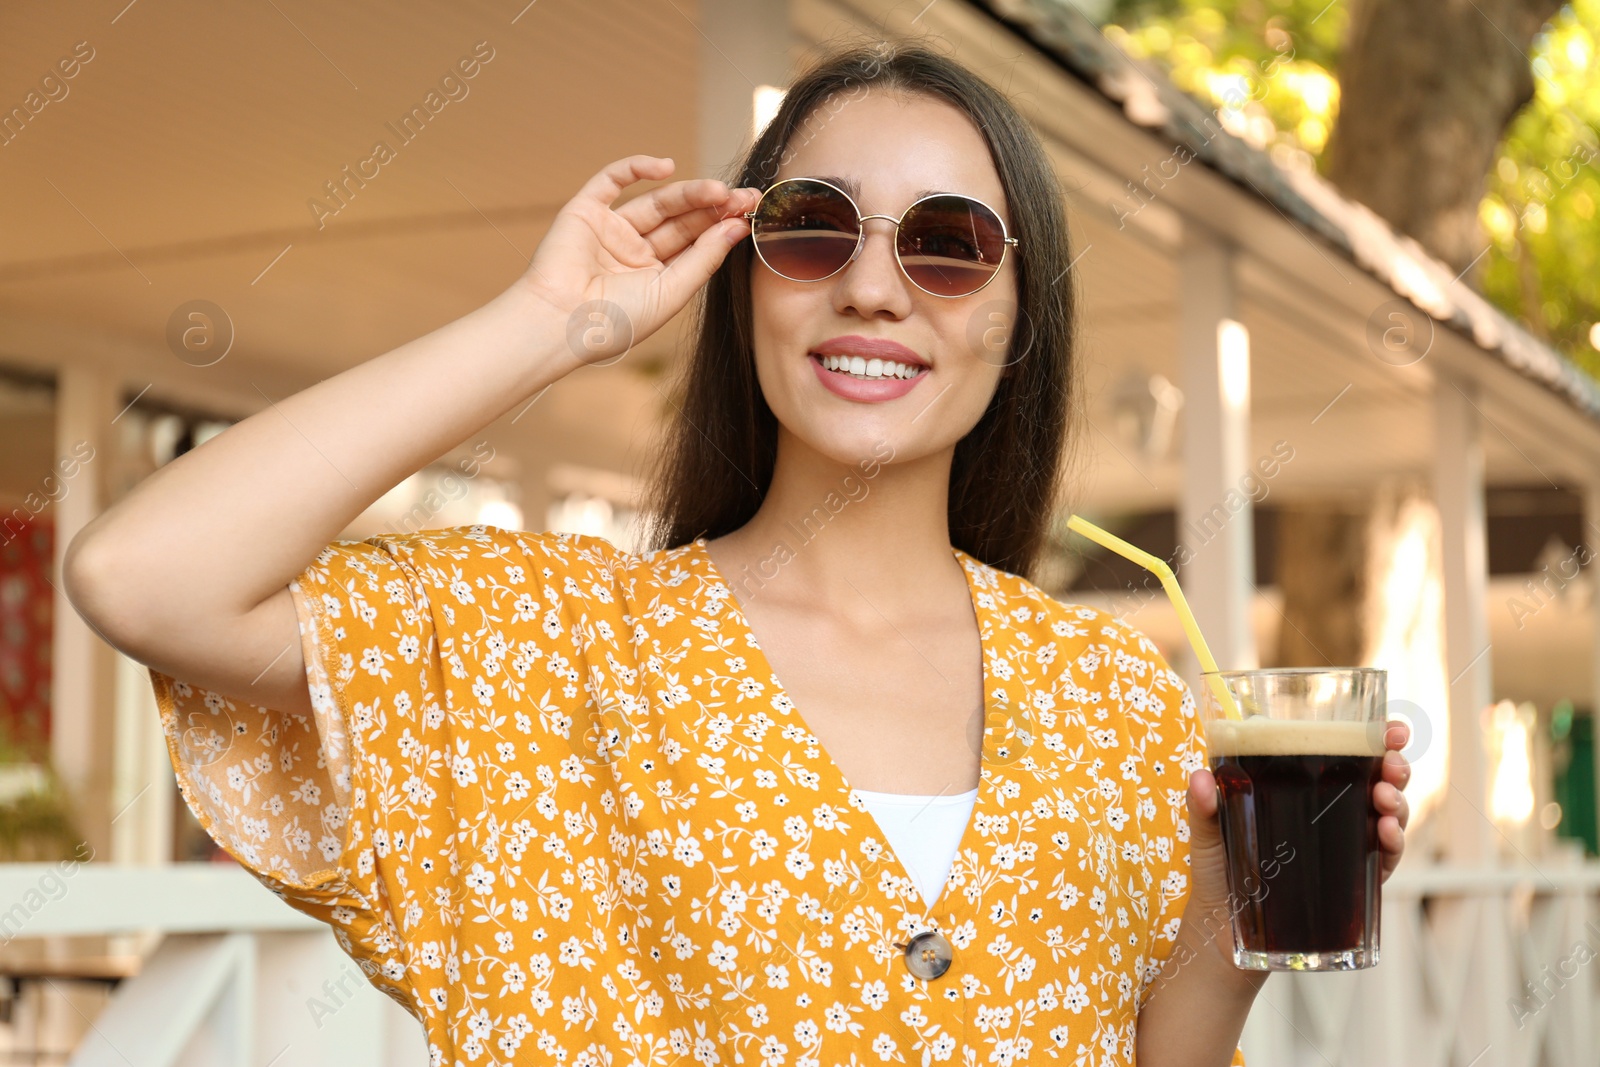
x=1487 y=968
x=239 y=979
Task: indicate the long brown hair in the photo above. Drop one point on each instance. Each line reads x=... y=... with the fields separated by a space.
x=721 y=446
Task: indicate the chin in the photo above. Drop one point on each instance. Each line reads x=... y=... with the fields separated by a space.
x=863 y=443
x=850 y=433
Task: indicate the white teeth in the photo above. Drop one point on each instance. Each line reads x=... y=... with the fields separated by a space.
x=870 y=369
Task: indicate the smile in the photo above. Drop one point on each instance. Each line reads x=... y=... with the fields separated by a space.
x=871 y=370
x=867 y=369
x=875 y=381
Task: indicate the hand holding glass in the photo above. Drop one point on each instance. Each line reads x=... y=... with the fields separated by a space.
x=1295 y=777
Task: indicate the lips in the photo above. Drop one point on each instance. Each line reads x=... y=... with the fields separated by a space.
x=862 y=390
x=869 y=348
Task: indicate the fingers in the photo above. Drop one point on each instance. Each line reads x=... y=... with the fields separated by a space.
x=1202 y=794
x=677 y=232
x=1396 y=769
x=670 y=201
x=1394 y=811
x=693 y=267
x=605 y=187
x=1396 y=734
x=1208 y=863
x=1392 y=839
x=1391 y=860
x=1388 y=800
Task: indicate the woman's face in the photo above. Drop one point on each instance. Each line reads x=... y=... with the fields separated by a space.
x=887 y=150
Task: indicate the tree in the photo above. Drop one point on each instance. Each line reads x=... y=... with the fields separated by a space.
x=1467 y=124
x=1412 y=108
x=1539 y=213
x=1426 y=91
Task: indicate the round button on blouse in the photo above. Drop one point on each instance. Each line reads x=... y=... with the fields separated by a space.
x=927 y=955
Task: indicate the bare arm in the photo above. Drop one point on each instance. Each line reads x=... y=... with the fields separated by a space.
x=1198 y=1006
x=189 y=572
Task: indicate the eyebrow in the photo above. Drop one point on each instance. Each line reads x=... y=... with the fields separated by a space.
x=853 y=187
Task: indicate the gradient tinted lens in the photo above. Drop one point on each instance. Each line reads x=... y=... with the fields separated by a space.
x=951 y=245
x=805 y=230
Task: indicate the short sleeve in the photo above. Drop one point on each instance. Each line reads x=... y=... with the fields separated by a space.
x=420 y=650
x=301 y=801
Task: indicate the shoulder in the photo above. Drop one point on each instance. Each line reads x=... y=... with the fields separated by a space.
x=482 y=542
x=1073 y=627
x=480 y=547
x=461 y=559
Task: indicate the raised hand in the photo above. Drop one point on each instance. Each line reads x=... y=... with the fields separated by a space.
x=631 y=268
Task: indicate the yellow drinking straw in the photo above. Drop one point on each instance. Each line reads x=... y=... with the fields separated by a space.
x=1169 y=582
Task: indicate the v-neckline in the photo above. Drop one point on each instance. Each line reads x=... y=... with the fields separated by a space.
x=941 y=907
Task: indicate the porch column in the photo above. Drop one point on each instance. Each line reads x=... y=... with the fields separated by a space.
x=82 y=666
x=1215 y=522
x=1470 y=837
x=1458 y=487
x=1214 y=512
x=744 y=45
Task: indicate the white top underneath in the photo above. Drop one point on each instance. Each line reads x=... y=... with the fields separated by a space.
x=924 y=831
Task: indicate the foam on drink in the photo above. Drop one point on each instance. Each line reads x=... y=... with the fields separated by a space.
x=1258 y=735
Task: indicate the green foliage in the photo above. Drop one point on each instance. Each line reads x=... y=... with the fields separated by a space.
x=1540 y=210
x=36 y=826
x=1269 y=64
x=1270 y=67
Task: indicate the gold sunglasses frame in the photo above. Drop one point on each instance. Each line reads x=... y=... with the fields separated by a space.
x=1008 y=243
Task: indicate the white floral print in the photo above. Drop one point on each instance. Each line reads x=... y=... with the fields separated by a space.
x=553 y=800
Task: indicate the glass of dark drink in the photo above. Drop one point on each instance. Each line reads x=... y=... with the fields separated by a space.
x=1295 y=776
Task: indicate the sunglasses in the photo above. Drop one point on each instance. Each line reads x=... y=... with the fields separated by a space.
x=806 y=229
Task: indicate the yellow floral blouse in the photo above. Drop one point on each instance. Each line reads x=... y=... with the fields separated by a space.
x=553 y=800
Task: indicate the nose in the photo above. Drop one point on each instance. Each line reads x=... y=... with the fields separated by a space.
x=872 y=284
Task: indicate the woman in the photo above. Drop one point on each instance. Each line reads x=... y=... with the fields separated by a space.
x=552 y=795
